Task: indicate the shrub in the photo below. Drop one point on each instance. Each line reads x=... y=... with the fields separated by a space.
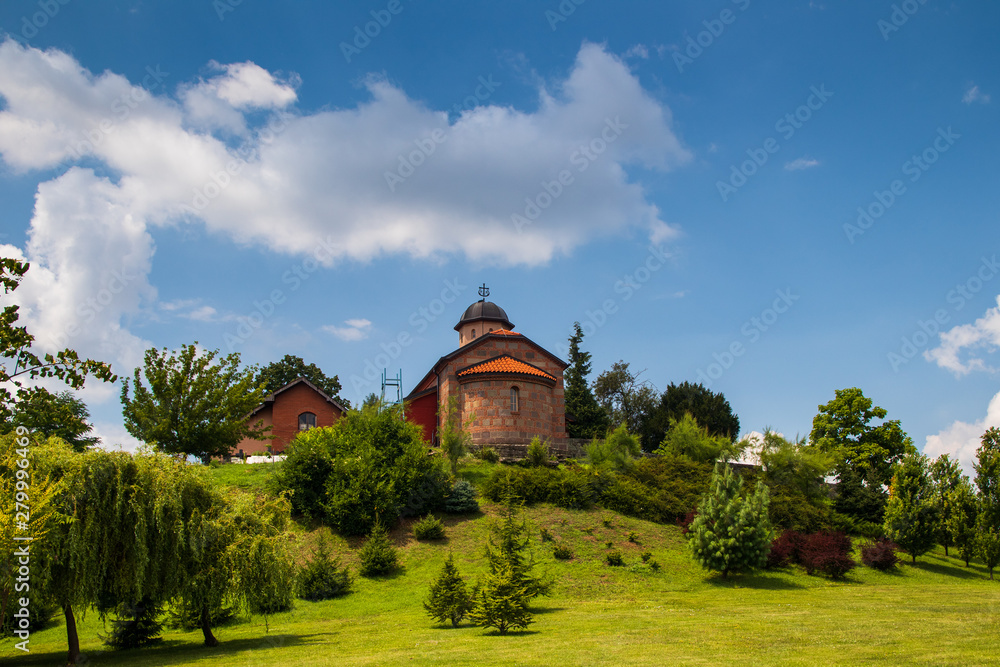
x=546 y=535
x=632 y=537
x=880 y=555
x=562 y=552
x=462 y=499
x=135 y=626
x=654 y=566
x=606 y=521
x=449 y=599
x=608 y=545
x=323 y=578
x=685 y=521
x=378 y=556
x=830 y=553
x=627 y=496
x=538 y=453
x=428 y=494
x=784 y=550
x=677 y=482
x=428 y=528
x=614 y=558
x=645 y=556
x=487 y=454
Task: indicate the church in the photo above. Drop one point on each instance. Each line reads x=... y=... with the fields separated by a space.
x=507 y=388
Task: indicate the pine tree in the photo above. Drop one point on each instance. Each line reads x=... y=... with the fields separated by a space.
x=961 y=519
x=987 y=469
x=449 y=598
x=502 y=601
x=731 y=532
x=589 y=420
x=378 y=556
x=911 y=516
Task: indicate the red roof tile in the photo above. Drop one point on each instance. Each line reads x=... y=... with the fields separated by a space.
x=506 y=364
x=504 y=332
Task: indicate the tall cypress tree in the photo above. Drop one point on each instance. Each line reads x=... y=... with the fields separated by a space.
x=589 y=420
x=911 y=515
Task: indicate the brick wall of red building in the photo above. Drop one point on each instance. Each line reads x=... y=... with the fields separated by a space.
x=283 y=416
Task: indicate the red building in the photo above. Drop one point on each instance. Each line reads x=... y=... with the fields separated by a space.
x=510 y=387
x=298 y=406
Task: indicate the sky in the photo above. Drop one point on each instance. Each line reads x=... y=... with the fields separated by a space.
x=777 y=200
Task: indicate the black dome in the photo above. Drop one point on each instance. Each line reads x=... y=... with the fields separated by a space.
x=484 y=310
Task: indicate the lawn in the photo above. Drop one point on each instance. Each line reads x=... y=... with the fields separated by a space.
x=935 y=613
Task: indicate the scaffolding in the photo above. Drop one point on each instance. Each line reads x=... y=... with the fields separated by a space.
x=388 y=383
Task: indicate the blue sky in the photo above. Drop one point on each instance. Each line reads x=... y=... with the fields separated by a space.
x=774 y=200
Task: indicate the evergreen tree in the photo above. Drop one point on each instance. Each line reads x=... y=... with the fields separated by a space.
x=911 y=514
x=449 y=598
x=502 y=601
x=946 y=475
x=987 y=467
x=961 y=519
x=732 y=531
x=709 y=408
x=588 y=419
x=378 y=555
x=453 y=436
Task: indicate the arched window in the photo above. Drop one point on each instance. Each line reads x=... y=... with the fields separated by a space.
x=307 y=420
x=515 y=399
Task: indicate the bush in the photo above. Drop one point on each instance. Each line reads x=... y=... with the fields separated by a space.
x=487 y=454
x=323 y=578
x=546 y=535
x=449 y=598
x=614 y=558
x=40 y=613
x=562 y=552
x=880 y=555
x=429 y=494
x=685 y=521
x=378 y=556
x=784 y=550
x=428 y=528
x=632 y=498
x=645 y=556
x=830 y=553
x=538 y=453
x=135 y=626
x=632 y=537
x=462 y=499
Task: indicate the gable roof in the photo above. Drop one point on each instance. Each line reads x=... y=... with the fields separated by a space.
x=504 y=363
x=269 y=399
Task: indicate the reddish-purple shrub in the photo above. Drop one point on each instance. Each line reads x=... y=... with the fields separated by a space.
x=880 y=554
x=830 y=553
x=685 y=521
x=784 y=549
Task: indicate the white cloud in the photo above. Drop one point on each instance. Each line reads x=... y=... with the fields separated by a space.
x=356 y=329
x=973 y=94
x=298 y=179
x=801 y=163
x=114 y=437
x=979 y=338
x=638 y=51
x=962 y=439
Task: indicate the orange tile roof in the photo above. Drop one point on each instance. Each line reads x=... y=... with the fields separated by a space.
x=506 y=364
x=504 y=332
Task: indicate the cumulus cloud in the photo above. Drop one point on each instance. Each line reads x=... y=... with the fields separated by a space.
x=962 y=439
x=976 y=340
x=232 y=153
x=357 y=329
x=973 y=94
x=801 y=163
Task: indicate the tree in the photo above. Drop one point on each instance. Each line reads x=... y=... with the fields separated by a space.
x=960 y=521
x=378 y=555
x=60 y=415
x=585 y=417
x=617 y=451
x=709 y=409
x=449 y=598
x=987 y=467
x=502 y=602
x=453 y=436
x=277 y=374
x=17 y=361
x=687 y=437
x=911 y=515
x=794 y=465
x=194 y=405
x=946 y=475
x=731 y=532
x=625 y=398
x=865 y=453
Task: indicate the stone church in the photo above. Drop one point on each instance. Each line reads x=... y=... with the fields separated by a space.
x=509 y=387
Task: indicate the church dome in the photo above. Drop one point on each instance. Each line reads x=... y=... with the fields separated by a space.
x=484 y=310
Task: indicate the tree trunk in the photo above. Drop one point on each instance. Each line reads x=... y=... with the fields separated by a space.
x=914 y=557
x=71 y=636
x=206 y=628
x=946 y=551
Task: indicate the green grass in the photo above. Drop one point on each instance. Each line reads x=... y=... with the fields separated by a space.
x=935 y=613
x=246 y=477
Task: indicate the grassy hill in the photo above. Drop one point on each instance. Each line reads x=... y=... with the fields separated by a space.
x=935 y=613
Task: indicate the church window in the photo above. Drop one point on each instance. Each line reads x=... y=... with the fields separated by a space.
x=307 y=420
x=515 y=399
x=473 y=334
